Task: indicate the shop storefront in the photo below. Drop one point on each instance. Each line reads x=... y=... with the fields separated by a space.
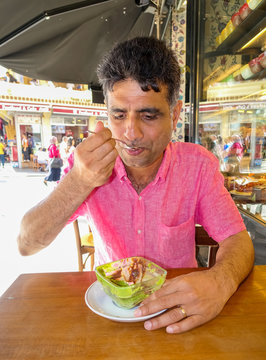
x=28 y=125
x=75 y=122
x=37 y=123
x=24 y=119
x=75 y=127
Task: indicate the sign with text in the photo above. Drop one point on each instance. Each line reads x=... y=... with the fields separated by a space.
x=24 y=107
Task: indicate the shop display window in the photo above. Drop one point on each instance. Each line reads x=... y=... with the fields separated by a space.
x=227 y=104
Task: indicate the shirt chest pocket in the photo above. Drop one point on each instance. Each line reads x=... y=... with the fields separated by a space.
x=177 y=244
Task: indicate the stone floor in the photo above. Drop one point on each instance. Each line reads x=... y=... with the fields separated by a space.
x=19 y=191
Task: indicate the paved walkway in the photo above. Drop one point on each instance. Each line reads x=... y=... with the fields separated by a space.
x=20 y=189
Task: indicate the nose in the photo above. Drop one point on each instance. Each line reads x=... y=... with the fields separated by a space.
x=133 y=130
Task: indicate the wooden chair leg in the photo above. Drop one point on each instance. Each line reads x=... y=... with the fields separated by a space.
x=92 y=262
x=78 y=242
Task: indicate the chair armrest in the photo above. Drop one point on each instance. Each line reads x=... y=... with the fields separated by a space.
x=206 y=247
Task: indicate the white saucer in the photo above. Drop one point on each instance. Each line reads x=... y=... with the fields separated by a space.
x=101 y=304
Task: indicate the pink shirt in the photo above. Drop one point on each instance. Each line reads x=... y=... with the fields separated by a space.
x=53 y=151
x=159 y=224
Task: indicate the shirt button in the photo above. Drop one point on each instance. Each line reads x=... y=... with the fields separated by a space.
x=140 y=197
x=139 y=231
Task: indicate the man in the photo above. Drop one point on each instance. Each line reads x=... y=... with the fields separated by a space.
x=31 y=144
x=25 y=147
x=63 y=150
x=147 y=200
x=11 y=78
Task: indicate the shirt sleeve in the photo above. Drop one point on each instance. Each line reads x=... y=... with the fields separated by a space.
x=216 y=210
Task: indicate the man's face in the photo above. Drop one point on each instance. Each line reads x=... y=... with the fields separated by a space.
x=142 y=119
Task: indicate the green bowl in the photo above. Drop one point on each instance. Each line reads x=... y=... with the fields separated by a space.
x=129 y=296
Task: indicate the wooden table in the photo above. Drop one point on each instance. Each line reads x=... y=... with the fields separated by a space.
x=44 y=316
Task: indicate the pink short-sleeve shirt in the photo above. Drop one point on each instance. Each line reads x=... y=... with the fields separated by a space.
x=159 y=223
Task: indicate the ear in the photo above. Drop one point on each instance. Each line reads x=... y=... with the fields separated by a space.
x=176 y=113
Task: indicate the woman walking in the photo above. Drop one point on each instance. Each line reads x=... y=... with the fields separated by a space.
x=2 y=152
x=53 y=152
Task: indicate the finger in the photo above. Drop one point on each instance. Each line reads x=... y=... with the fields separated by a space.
x=159 y=303
x=96 y=140
x=98 y=147
x=185 y=325
x=166 y=289
x=172 y=316
x=107 y=160
x=102 y=151
x=89 y=158
x=99 y=126
x=177 y=284
x=109 y=169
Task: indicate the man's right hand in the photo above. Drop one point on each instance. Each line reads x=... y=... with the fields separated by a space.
x=94 y=159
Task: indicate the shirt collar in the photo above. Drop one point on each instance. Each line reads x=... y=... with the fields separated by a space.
x=161 y=174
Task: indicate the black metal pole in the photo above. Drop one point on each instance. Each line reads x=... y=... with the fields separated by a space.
x=195 y=33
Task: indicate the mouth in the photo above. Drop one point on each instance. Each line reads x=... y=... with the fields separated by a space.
x=132 y=150
x=130 y=147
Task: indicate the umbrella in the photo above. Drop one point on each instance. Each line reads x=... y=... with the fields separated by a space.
x=63 y=40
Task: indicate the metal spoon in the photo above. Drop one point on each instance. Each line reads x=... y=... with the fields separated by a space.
x=93 y=132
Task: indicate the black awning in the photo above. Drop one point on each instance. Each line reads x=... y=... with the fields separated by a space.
x=63 y=40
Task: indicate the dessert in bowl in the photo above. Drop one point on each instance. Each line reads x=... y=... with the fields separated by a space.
x=129 y=281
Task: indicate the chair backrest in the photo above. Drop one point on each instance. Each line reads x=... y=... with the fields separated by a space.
x=84 y=247
x=206 y=248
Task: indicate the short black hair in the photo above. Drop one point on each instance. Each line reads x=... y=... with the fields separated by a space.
x=144 y=59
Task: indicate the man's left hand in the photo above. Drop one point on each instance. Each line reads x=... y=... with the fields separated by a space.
x=191 y=300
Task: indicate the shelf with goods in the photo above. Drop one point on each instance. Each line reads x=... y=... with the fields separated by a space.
x=238 y=36
x=256 y=229
x=230 y=96
x=249 y=193
x=242 y=46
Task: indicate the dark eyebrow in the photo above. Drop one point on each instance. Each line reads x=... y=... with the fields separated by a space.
x=151 y=110
x=117 y=110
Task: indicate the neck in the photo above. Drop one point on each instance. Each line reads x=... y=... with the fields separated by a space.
x=143 y=176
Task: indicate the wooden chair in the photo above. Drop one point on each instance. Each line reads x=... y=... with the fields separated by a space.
x=85 y=246
x=206 y=248
x=35 y=162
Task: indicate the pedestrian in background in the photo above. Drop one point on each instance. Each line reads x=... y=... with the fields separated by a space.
x=25 y=148
x=53 y=152
x=2 y=152
x=42 y=158
x=70 y=146
x=63 y=149
x=30 y=145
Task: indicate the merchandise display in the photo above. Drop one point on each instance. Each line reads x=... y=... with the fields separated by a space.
x=255 y=65
x=246 y=72
x=231 y=95
x=253 y=3
x=236 y=19
x=252 y=7
x=244 y=11
x=262 y=59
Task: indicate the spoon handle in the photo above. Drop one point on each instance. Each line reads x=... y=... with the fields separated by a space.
x=93 y=132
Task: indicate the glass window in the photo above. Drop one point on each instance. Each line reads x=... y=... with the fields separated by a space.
x=230 y=47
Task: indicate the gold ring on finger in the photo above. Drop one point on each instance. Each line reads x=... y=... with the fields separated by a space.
x=183 y=311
